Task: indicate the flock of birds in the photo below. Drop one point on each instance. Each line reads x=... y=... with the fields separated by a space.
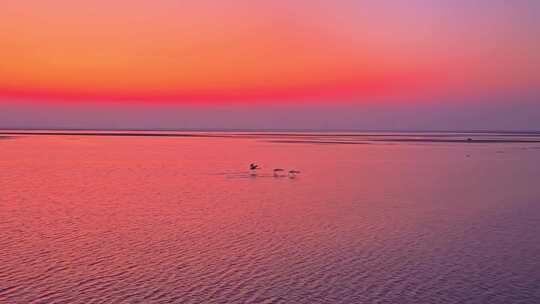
x=278 y=172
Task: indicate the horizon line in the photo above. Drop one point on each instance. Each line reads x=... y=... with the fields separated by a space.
x=301 y=130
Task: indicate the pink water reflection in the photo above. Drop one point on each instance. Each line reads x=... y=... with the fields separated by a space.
x=156 y=220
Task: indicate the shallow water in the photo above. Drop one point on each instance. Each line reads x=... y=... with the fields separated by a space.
x=146 y=219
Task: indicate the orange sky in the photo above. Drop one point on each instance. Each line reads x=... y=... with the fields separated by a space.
x=263 y=50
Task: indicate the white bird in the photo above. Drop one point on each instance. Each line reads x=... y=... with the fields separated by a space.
x=293 y=173
x=277 y=171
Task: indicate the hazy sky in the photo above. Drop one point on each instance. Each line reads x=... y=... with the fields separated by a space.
x=341 y=64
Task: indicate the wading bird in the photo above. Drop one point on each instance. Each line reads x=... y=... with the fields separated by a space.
x=253 y=167
x=278 y=172
x=293 y=173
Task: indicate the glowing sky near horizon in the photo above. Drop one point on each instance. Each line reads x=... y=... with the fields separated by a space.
x=255 y=49
x=271 y=52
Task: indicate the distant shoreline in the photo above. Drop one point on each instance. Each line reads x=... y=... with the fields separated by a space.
x=266 y=131
x=350 y=138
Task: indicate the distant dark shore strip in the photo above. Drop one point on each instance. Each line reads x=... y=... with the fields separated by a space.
x=400 y=134
x=321 y=142
x=319 y=138
x=482 y=141
x=369 y=141
x=112 y=134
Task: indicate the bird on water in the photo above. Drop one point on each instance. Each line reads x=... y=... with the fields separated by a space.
x=293 y=173
x=278 y=171
x=253 y=169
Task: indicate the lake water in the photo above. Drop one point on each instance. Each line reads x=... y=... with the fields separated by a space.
x=178 y=218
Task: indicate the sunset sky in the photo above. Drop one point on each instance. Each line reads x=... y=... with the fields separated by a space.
x=403 y=64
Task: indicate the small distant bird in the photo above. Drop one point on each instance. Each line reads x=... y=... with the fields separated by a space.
x=469 y=139
x=293 y=173
x=277 y=171
x=253 y=169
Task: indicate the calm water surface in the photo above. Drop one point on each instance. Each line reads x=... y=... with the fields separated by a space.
x=105 y=219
